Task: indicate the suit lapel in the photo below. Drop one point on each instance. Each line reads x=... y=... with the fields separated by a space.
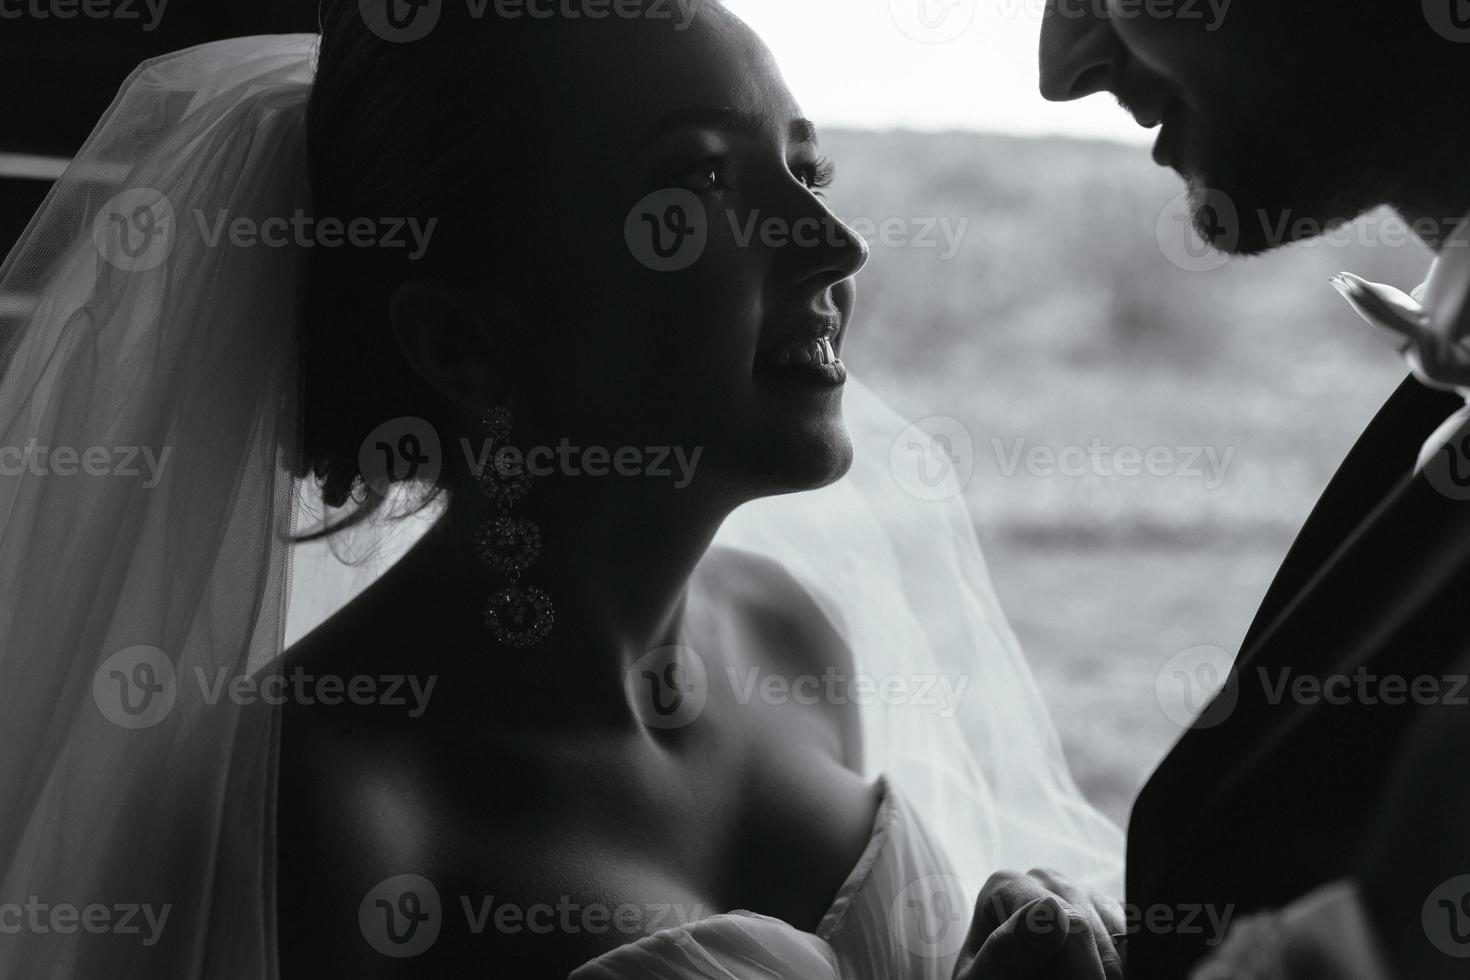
x=1357 y=589
x=1381 y=461
x=1375 y=590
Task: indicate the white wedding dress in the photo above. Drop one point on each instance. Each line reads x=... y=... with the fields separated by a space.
x=897 y=915
x=123 y=780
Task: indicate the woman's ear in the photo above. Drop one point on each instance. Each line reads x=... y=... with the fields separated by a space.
x=448 y=337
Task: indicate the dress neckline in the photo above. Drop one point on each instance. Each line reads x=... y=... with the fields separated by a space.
x=847 y=894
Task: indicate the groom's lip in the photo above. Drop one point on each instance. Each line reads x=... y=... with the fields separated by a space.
x=1148 y=118
x=1164 y=146
x=1147 y=105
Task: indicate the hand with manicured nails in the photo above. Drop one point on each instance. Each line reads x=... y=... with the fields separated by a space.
x=1040 y=925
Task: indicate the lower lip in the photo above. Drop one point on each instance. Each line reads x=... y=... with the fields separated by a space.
x=1161 y=146
x=1167 y=146
x=812 y=375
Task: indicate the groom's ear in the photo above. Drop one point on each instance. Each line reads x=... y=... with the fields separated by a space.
x=455 y=340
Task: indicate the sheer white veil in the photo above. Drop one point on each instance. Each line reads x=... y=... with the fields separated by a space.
x=148 y=387
x=148 y=418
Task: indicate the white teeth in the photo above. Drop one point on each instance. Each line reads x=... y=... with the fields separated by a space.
x=817 y=352
x=820 y=352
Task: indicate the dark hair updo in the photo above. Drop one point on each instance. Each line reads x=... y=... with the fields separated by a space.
x=397 y=131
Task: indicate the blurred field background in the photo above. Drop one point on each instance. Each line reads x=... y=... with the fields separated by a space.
x=1059 y=321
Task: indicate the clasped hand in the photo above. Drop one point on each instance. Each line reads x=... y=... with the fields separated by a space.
x=1040 y=925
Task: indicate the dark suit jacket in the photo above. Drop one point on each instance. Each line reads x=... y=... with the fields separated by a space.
x=1263 y=801
x=1415 y=874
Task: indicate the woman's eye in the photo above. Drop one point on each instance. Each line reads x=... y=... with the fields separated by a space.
x=816 y=175
x=708 y=177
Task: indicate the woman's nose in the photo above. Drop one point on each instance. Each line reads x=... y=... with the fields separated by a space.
x=836 y=253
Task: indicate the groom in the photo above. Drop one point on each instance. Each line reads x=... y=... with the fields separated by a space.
x=1294 y=114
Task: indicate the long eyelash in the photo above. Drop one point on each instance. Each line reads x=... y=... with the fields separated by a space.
x=821 y=174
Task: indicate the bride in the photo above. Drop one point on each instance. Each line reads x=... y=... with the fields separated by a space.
x=633 y=696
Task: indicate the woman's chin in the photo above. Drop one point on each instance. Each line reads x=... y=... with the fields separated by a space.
x=816 y=460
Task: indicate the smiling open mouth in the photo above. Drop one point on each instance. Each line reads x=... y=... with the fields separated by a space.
x=808 y=355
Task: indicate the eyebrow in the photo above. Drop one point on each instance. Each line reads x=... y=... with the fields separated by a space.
x=726 y=118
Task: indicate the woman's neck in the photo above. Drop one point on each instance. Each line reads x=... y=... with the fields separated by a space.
x=617 y=558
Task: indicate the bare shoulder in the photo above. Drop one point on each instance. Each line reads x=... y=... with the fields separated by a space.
x=770 y=600
x=353 y=809
x=773 y=615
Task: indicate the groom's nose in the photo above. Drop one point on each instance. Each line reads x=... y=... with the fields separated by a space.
x=1079 y=51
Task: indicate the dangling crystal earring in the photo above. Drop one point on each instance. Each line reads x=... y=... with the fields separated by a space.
x=517 y=616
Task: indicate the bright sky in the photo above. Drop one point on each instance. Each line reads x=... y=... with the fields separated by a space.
x=923 y=64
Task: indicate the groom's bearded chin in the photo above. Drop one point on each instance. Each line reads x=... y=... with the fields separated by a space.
x=1384 y=136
